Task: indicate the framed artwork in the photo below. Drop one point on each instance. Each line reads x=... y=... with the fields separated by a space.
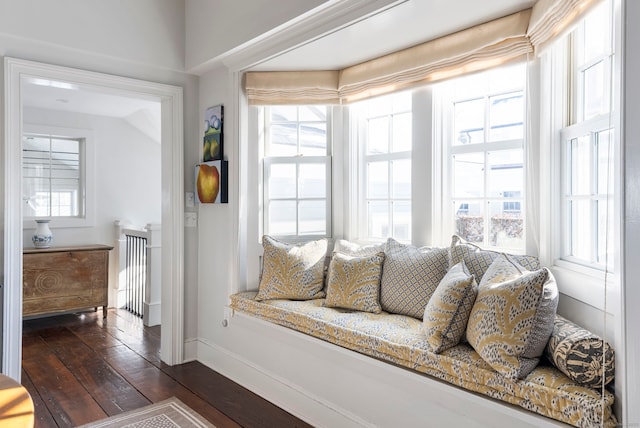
x=212 y=182
x=213 y=142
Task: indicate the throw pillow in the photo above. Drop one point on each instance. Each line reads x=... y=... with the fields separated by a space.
x=478 y=260
x=512 y=317
x=410 y=275
x=292 y=271
x=354 y=282
x=446 y=315
x=355 y=250
x=578 y=353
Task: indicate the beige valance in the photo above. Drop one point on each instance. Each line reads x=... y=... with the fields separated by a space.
x=478 y=48
x=287 y=87
x=474 y=49
x=550 y=19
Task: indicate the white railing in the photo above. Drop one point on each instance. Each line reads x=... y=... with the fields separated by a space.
x=138 y=267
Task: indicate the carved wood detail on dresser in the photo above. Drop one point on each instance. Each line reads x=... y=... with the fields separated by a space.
x=60 y=279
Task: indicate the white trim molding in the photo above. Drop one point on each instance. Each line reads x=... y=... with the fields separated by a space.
x=172 y=190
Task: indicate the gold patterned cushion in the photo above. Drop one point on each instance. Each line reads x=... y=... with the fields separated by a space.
x=352 y=249
x=410 y=275
x=512 y=317
x=478 y=260
x=292 y=271
x=578 y=353
x=354 y=282
x=446 y=315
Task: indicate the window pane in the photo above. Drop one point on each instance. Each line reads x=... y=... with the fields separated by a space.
x=312 y=113
x=401 y=183
x=402 y=132
x=597 y=33
x=312 y=218
x=282 y=218
x=378 y=219
x=282 y=181
x=36 y=197
x=313 y=139
x=469 y=217
x=507 y=224
x=283 y=140
x=506 y=115
x=313 y=181
x=580 y=218
x=378 y=136
x=284 y=114
x=595 y=100
x=469 y=122
x=468 y=175
x=402 y=220
x=64 y=197
x=605 y=169
x=506 y=175
x=580 y=166
x=378 y=180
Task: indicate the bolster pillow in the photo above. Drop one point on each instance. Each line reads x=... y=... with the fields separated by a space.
x=577 y=353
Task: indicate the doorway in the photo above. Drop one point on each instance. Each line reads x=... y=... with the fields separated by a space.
x=171 y=137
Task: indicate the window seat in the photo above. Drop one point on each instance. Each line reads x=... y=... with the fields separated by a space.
x=398 y=339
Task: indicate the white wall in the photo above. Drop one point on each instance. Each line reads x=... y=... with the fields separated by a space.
x=127 y=171
x=216 y=27
x=147 y=32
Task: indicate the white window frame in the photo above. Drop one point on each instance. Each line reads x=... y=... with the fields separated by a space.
x=587 y=284
x=444 y=122
x=87 y=175
x=359 y=162
x=267 y=161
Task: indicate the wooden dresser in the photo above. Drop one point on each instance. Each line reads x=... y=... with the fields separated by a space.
x=60 y=279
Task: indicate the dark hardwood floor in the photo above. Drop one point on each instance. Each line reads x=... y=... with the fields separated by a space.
x=81 y=368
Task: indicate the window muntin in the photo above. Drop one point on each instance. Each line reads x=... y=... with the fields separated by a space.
x=52 y=172
x=297 y=172
x=587 y=198
x=485 y=161
x=385 y=141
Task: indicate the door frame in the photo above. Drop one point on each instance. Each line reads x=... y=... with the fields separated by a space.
x=171 y=99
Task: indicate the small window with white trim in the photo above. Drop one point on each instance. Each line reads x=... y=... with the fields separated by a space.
x=297 y=172
x=53 y=176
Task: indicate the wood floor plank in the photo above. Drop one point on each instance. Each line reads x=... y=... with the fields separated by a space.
x=80 y=367
x=43 y=418
x=67 y=401
x=247 y=408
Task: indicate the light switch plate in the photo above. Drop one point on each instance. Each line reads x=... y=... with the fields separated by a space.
x=189 y=199
x=190 y=219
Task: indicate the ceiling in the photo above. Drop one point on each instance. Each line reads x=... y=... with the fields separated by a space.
x=406 y=24
x=143 y=114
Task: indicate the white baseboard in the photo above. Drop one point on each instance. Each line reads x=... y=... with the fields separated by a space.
x=152 y=314
x=328 y=386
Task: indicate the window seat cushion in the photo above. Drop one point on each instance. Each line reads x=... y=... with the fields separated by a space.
x=399 y=339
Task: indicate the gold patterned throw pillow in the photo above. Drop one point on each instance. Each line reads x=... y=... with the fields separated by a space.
x=512 y=317
x=354 y=282
x=410 y=276
x=446 y=315
x=292 y=271
x=478 y=260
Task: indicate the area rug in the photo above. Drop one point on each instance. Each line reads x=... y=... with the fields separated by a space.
x=171 y=413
